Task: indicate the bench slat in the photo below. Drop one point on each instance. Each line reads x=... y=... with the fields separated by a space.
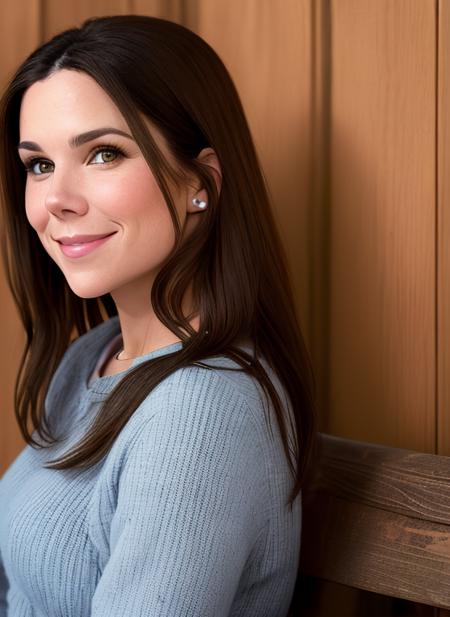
x=378 y=518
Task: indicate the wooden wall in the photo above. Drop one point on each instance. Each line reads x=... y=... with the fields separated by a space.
x=348 y=101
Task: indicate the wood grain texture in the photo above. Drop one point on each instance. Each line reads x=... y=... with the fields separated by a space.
x=407 y=482
x=382 y=238
x=319 y=204
x=20 y=32
x=378 y=519
x=443 y=230
x=57 y=15
x=167 y=9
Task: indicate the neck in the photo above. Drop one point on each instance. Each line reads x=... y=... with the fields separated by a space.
x=142 y=332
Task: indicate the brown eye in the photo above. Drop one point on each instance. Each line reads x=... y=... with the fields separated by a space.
x=42 y=166
x=108 y=154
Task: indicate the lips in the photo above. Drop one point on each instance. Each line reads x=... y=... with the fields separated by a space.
x=81 y=245
x=82 y=239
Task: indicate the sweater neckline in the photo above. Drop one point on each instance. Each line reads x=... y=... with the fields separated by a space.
x=103 y=384
x=106 y=334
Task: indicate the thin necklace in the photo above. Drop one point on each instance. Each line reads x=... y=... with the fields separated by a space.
x=116 y=355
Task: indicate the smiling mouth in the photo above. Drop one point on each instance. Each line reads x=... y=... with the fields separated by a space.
x=81 y=239
x=83 y=245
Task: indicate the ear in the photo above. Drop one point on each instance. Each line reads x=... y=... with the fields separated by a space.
x=208 y=157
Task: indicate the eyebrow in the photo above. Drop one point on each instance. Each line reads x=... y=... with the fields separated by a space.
x=78 y=140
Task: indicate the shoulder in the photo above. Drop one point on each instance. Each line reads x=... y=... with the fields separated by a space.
x=211 y=396
x=195 y=410
x=191 y=419
x=190 y=457
x=200 y=430
x=199 y=397
x=199 y=423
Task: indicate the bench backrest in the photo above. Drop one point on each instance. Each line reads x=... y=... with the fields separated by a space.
x=378 y=518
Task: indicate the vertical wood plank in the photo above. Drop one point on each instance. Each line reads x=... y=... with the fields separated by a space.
x=20 y=32
x=443 y=229
x=382 y=262
x=319 y=210
x=20 y=29
x=58 y=16
x=167 y=9
x=443 y=235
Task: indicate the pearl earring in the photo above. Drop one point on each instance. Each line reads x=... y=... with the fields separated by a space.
x=200 y=203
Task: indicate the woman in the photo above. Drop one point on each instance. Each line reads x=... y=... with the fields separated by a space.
x=165 y=379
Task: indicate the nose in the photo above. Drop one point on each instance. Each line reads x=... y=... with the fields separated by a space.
x=64 y=198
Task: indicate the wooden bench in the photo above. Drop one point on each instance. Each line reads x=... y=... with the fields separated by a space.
x=377 y=518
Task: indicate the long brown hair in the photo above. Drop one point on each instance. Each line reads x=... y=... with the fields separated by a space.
x=233 y=258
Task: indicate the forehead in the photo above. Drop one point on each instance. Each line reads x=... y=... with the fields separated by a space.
x=66 y=101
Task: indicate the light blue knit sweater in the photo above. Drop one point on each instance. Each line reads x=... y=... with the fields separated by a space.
x=184 y=517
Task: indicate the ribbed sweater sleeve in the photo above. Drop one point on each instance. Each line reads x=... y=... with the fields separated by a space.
x=3 y=590
x=190 y=506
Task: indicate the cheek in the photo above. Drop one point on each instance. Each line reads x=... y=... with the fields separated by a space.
x=150 y=226
x=138 y=202
x=36 y=214
x=130 y=194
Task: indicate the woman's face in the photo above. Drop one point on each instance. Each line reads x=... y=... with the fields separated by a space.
x=92 y=189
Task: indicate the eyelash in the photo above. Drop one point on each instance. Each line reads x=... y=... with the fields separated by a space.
x=31 y=162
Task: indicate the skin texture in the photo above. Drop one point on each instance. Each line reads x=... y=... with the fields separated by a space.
x=74 y=191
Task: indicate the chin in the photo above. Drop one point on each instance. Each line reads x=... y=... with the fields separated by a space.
x=88 y=291
x=87 y=295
